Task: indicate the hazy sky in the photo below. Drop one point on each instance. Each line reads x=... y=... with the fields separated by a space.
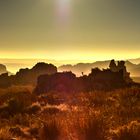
x=70 y=29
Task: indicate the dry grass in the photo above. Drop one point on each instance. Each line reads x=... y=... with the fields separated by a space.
x=5 y=134
x=130 y=131
x=50 y=130
x=94 y=128
x=82 y=116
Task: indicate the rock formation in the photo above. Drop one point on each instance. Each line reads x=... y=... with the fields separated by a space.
x=114 y=77
x=27 y=76
x=3 y=69
x=47 y=78
x=5 y=80
x=120 y=67
x=61 y=82
x=134 y=69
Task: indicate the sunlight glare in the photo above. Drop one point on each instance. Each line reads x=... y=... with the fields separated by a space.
x=63 y=12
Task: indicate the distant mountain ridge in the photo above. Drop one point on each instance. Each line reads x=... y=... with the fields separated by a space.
x=135 y=61
x=85 y=68
x=133 y=66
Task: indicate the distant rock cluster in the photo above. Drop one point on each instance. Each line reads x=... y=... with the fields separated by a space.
x=85 y=68
x=46 y=79
x=114 y=77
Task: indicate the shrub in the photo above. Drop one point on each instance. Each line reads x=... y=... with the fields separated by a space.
x=52 y=99
x=127 y=132
x=128 y=103
x=94 y=127
x=5 y=134
x=129 y=97
x=4 y=111
x=51 y=110
x=33 y=109
x=15 y=106
x=20 y=119
x=16 y=131
x=94 y=99
x=15 y=102
x=34 y=131
x=50 y=131
x=20 y=93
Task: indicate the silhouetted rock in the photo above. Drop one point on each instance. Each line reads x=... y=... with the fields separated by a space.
x=134 y=69
x=5 y=80
x=113 y=66
x=105 y=79
x=47 y=78
x=27 y=76
x=120 y=67
x=2 y=69
x=61 y=82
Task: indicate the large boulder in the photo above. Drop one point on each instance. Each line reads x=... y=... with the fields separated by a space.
x=60 y=82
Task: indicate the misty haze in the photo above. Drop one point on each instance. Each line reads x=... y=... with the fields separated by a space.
x=69 y=70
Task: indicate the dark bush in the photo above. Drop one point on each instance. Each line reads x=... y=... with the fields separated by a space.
x=50 y=131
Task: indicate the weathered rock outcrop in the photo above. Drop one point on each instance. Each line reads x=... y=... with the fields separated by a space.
x=98 y=79
x=27 y=76
x=61 y=82
x=120 y=67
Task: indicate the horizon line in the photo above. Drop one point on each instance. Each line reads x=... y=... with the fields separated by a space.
x=50 y=59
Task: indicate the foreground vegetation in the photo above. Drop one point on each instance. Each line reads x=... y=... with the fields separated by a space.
x=98 y=115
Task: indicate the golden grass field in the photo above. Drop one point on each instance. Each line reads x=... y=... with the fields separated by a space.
x=98 y=115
